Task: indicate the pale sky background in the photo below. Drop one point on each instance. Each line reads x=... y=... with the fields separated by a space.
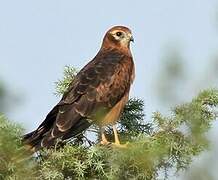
x=38 y=38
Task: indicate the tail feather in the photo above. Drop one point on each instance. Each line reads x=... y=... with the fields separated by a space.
x=34 y=138
x=80 y=127
x=43 y=136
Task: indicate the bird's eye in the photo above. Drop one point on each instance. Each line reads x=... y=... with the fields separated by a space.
x=119 y=34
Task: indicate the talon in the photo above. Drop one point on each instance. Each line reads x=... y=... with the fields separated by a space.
x=105 y=142
x=120 y=145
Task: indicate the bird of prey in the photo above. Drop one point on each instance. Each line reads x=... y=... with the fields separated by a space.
x=97 y=95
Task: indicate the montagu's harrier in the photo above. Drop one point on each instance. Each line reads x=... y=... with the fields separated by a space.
x=97 y=94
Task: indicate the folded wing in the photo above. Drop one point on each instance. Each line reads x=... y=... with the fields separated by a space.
x=96 y=89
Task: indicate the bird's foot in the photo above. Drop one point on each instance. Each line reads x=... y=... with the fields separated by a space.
x=105 y=143
x=114 y=145
x=117 y=144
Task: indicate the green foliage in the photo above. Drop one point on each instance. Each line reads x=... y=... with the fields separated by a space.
x=2 y=97
x=132 y=118
x=170 y=147
x=131 y=123
x=7 y=99
x=63 y=84
x=15 y=161
x=167 y=145
x=73 y=162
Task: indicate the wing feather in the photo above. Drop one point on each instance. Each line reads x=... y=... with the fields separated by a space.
x=98 y=87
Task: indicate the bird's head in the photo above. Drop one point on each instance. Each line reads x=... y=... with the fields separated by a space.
x=118 y=37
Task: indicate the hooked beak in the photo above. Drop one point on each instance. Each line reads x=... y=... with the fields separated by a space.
x=132 y=39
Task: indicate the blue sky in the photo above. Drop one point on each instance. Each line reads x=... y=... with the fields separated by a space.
x=38 y=38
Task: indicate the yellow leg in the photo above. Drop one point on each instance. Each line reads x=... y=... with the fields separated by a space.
x=104 y=140
x=117 y=141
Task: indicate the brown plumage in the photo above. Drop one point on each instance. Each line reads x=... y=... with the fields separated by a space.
x=98 y=93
